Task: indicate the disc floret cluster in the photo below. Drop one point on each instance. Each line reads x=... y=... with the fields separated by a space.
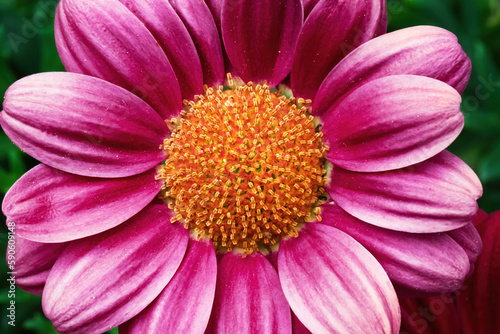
x=245 y=166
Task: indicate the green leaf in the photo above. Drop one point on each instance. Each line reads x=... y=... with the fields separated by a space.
x=20 y=42
x=470 y=148
x=471 y=17
x=433 y=12
x=481 y=122
x=491 y=198
x=481 y=100
x=489 y=168
x=39 y=324
x=7 y=78
x=50 y=57
x=13 y=158
x=5 y=145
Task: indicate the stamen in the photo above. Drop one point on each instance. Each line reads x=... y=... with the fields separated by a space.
x=245 y=166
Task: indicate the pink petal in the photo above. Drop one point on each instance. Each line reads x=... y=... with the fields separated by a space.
x=104 y=39
x=248 y=298
x=478 y=302
x=32 y=262
x=102 y=281
x=480 y=217
x=260 y=37
x=184 y=306
x=167 y=28
x=382 y=21
x=436 y=195
x=309 y=6
x=215 y=7
x=431 y=315
x=52 y=206
x=423 y=263
x=427 y=51
x=332 y=30
x=334 y=285
x=201 y=25
x=298 y=327
x=393 y=122
x=469 y=239
x=83 y=125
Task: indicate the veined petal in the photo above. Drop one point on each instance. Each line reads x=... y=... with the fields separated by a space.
x=436 y=195
x=248 y=298
x=469 y=239
x=33 y=262
x=184 y=306
x=201 y=25
x=331 y=31
x=216 y=10
x=215 y=7
x=48 y=205
x=423 y=263
x=168 y=29
x=327 y=277
x=260 y=37
x=102 y=281
x=393 y=122
x=104 y=39
x=427 y=51
x=83 y=125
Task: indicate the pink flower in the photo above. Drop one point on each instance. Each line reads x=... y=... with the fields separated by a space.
x=430 y=315
x=478 y=305
x=472 y=309
x=244 y=169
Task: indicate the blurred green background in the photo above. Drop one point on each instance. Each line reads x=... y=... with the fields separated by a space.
x=27 y=46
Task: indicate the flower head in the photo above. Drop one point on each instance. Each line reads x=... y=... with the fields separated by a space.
x=299 y=192
x=245 y=167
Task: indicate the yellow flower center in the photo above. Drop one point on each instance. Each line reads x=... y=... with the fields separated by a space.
x=245 y=166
